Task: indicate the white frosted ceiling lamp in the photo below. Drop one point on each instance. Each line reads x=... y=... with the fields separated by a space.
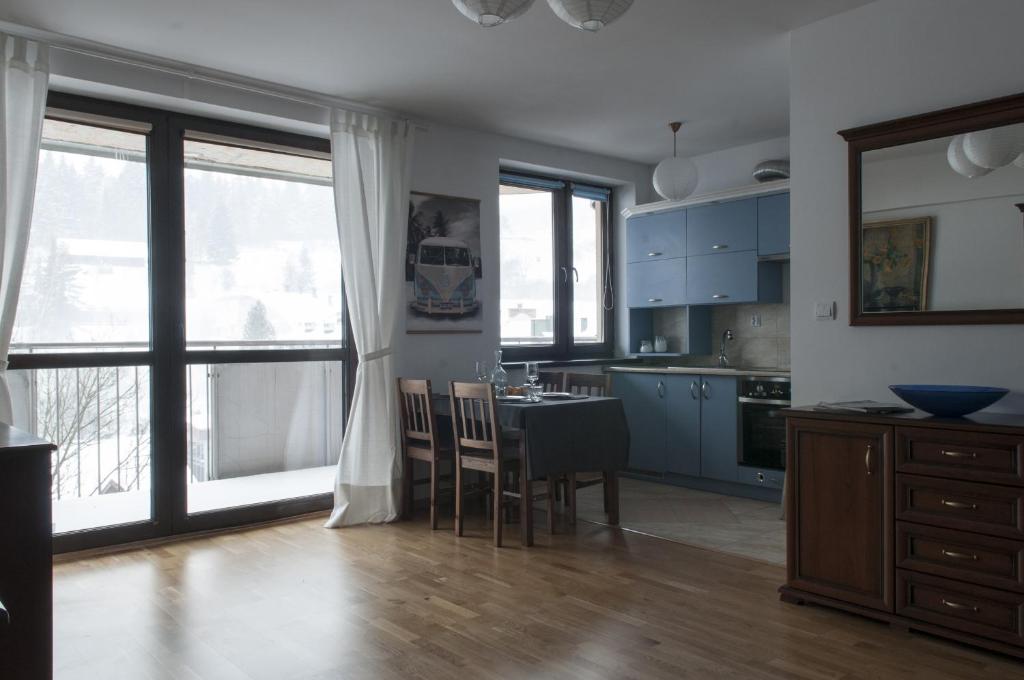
x=490 y=13
x=994 y=148
x=589 y=15
x=959 y=161
x=675 y=178
x=1019 y=162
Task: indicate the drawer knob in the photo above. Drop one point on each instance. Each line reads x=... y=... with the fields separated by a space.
x=957 y=605
x=719 y=246
x=959 y=555
x=867 y=459
x=959 y=454
x=719 y=296
x=960 y=505
x=654 y=299
x=653 y=254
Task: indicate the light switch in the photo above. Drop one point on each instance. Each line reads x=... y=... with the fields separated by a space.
x=755 y=320
x=825 y=311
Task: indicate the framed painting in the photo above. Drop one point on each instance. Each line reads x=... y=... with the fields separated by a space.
x=442 y=266
x=894 y=265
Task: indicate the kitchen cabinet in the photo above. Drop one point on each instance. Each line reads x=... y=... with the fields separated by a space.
x=642 y=397
x=683 y=431
x=722 y=227
x=719 y=279
x=660 y=236
x=656 y=284
x=773 y=225
x=719 y=424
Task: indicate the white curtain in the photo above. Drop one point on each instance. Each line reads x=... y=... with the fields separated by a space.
x=24 y=75
x=371 y=157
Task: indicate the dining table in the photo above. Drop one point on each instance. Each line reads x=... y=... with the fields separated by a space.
x=566 y=436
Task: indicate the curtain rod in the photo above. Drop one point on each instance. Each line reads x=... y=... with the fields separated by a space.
x=89 y=48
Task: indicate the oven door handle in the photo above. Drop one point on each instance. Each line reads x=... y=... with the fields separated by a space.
x=766 y=402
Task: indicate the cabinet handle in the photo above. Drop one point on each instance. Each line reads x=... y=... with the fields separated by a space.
x=959 y=505
x=654 y=299
x=719 y=296
x=959 y=555
x=653 y=254
x=719 y=246
x=959 y=454
x=867 y=459
x=661 y=389
x=957 y=605
x=705 y=389
x=693 y=390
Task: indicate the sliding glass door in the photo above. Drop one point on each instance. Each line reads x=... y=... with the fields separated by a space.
x=181 y=333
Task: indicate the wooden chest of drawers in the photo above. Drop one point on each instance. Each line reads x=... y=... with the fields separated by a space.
x=932 y=521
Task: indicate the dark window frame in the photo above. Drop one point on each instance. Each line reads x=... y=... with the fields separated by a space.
x=168 y=357
x=564 y=347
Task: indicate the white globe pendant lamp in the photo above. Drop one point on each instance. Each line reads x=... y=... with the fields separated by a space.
x=994 y=148
x=675 y=178
x=959 y=161
x=490 y=13
x=1019 y=162
x=589 y=15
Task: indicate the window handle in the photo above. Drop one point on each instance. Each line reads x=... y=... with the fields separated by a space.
x=576 y=274
x=565 y=274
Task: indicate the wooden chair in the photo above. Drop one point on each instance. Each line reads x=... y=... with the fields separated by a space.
x=595 y=385
x=552 y=381
x=482 y=445
x=420 y=441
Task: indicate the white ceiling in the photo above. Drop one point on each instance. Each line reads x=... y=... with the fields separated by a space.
x=719 y=65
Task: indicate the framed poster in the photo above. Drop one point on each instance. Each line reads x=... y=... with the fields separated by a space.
x=894 y=269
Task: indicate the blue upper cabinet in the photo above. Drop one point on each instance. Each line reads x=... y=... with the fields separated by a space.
x=722 y=227
x=656 y=237
x=656 y=284
x=773 y=225
x=721 y=279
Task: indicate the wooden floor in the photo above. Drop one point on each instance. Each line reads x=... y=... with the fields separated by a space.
x=296 y=601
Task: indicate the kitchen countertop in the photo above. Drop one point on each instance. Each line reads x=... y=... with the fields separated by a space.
x=700 y=370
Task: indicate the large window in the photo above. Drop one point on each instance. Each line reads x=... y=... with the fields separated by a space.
x=556 y=295
x=180 y=333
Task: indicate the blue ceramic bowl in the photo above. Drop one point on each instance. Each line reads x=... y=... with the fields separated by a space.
x=949 y=401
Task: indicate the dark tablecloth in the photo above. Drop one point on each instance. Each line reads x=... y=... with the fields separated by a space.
x=585 y=435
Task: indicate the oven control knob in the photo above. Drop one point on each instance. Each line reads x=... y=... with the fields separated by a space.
x=760 y=478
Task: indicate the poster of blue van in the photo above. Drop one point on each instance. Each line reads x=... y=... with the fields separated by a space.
x=442 y=265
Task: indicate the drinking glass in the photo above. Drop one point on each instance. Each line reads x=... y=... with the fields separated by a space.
x=532 y=372
x=483 y=373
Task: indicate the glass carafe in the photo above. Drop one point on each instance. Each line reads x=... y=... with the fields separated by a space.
x=500 y=376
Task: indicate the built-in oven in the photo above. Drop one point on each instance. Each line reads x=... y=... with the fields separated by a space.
x=762 y=427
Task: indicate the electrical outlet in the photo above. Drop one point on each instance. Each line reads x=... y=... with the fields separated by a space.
x=825 y=311
x=755 y=320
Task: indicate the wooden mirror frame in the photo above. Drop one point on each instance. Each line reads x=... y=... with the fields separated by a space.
x=944 y=123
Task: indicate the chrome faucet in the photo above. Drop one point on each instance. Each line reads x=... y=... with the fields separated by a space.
x=723 y=360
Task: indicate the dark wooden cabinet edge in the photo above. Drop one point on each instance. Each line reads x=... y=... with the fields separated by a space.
x=1000 y=423
x=790 y=595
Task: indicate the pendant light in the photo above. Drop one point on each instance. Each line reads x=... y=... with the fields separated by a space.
x=490 y=13
x=589 y=15
x=675 y=178
x=959 y=161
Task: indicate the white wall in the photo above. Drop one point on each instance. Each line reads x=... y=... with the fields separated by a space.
x=460 y=162
x=731 y=168
x=884 y=60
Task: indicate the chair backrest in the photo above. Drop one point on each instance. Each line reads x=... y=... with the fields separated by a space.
x=594 y=384
x=552 y=381
x=417 y=413
x=475 y=419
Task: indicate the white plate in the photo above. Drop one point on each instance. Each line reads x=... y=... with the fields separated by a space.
x=556 y=395
x=513 y=397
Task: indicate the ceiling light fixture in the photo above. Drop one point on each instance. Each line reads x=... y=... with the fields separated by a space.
x=675 y=178
x=490 y=13
x=589 y=15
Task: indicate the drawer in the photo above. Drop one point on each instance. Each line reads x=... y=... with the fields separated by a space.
x=973 y=456
x=766 y=477
x=986 y=612
x=984 y=508
x=656 y=284
x=985 y=560
x=722 y=227
x=656 y=237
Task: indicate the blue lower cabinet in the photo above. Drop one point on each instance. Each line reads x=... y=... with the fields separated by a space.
x=682 y=439
x=661 y=283
x=644 y=403
x=719 y=420
x=766 y=477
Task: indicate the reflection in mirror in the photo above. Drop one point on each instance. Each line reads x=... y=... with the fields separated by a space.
x=941 y=226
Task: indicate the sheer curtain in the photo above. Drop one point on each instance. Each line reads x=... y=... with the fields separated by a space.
x=371 y=159
x=24 y=75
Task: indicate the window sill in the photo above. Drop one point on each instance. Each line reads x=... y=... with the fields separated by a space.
x=554 y=363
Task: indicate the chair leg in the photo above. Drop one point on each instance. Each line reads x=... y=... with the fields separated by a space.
x=553 y=483
x=458 y=497
x=433 y=494
x=407 y=497
x=570 y=496
x=604 y=492
x=498 y=497
x=525 y=500
x=611 y=485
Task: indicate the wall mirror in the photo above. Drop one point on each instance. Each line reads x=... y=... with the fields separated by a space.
x=937 y=217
